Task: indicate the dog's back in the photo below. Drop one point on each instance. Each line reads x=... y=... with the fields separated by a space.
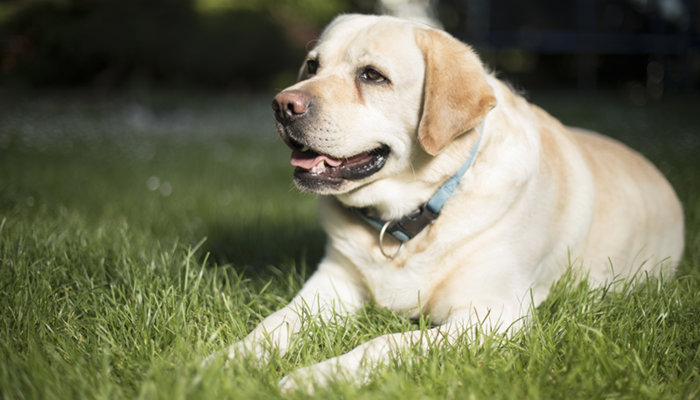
x=638 y=217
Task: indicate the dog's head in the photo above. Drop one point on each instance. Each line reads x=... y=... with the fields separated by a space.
x=377 y=97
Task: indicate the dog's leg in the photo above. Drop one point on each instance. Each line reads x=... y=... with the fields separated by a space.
x=332 y=289
x=357 y=365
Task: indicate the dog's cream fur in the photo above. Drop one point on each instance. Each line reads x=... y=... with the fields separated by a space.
x=539 y=197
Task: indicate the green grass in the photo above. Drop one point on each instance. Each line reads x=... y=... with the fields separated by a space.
x=115 y=284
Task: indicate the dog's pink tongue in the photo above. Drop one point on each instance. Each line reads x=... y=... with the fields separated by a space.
x=308 y=159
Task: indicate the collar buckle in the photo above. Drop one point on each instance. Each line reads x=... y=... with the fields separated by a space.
x=406 y=228
x=413 y=223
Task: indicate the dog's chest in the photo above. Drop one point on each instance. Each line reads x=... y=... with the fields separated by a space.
x=405 y=284
x=406 y=288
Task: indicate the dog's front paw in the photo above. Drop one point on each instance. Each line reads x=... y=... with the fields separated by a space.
x=240 y=350
x=346 y=368
x=305 y=379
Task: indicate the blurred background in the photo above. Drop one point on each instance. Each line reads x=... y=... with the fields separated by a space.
x=643 y=49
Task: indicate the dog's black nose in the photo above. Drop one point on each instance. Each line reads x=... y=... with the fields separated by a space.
x=290 y=105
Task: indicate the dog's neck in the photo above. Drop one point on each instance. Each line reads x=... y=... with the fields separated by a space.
x=411 y=224
x=397 y=196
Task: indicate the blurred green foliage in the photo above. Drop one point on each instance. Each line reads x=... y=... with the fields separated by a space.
x=313 y=12
x=113 y=43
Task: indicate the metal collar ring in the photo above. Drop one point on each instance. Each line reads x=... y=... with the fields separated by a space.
x=381 y=243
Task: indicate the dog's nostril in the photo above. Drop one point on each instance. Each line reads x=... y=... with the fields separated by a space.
x=290 y=105
x=294 y=108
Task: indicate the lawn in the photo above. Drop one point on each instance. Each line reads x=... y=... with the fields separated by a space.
x=141 y=232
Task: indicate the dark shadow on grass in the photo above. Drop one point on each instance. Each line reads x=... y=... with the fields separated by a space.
x=258 y=250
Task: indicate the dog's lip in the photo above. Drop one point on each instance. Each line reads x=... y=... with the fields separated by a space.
x=313 y=165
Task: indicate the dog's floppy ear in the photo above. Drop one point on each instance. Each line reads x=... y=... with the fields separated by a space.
x=456 y=96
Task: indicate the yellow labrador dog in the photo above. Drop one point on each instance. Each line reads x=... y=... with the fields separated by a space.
x=446 y=194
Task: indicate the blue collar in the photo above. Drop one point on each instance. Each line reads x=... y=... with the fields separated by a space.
x=410 y=225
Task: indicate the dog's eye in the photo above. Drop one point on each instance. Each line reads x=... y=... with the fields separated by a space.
x=370 y=74
x=311 y=67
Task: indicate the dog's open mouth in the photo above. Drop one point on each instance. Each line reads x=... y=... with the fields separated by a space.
x=321 y=168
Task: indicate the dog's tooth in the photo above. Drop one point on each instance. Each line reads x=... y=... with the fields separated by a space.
x=318 y=168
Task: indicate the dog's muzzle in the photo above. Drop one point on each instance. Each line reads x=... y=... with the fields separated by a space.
x=314 y=170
